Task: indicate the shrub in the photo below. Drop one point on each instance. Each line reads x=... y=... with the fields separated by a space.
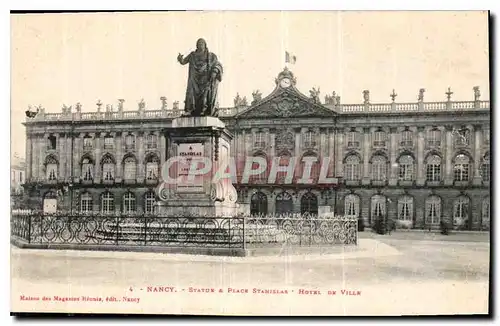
x=444 y=228
x=379 y=226
x=361 y=225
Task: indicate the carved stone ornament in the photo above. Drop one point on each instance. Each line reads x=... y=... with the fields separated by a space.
x=285 y=139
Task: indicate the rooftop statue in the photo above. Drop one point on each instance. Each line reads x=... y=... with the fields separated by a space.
x=205 y=73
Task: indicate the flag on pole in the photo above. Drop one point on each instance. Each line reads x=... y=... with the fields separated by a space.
x=290 y=57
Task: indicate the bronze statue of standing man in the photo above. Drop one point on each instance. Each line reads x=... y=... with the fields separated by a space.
x=205 y=73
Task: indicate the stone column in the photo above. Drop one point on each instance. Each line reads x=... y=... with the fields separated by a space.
x=420 y=156
x=35 y=155
x=78 y=150
x=333 y=168
x=99 y=144
x=272 y=144
x=267 y=139
x=252 y=142
x=140 y=164
x=244 y=147
x=393 y=155
x=163 y=148
x=63 y=151
x=119 y=143
x=42 y=149
x=448 y=173
x=339 y=166
x=478 y=139
x=298 y=142
x=366 y=156
x=69 y=157
x=29 y=158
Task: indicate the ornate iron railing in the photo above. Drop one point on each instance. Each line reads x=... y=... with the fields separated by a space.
x=179 y=231
x=300 y=230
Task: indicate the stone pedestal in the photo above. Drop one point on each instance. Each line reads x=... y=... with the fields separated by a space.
x=210 y=193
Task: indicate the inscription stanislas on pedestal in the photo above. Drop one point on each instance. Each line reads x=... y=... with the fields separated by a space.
x=205 y=73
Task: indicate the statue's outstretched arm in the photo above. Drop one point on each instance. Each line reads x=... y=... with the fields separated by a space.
x=183 y=60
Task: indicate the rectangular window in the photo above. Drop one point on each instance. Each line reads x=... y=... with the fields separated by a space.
x=21 y=177
x=151 y=142
x=486 y=136
x=259 y=140
x=108 y=142
x=87 y=143
x=309 y=139
x=434 y=138
x=352 y=139
x=379 y=139
x=130 y=142
x=407 y=138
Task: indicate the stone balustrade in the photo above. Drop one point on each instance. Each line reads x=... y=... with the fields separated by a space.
x=228 y=112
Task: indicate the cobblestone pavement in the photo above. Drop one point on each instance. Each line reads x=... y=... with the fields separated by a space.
x=423 y=271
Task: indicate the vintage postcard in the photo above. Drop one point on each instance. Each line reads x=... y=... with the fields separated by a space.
x=251 y=163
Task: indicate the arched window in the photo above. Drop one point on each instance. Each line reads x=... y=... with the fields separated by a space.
x=51 y=168
x=309 y=204
x=149 y=202
x=485 y=213
x=107 y=203
x=151 y=141
x=432 y=210
x=433 y=168
x=461 y=211
x=405 y=208
x=351 y=206
x=378 y=208
x=284 y=203
x=352 y=168
x=152 y=165
x=379 y=168
x=485 y=168
x=284 y=161
x=406 y=168
x=87 y=170
x=129 y=203
x=258 y=204
x=130 y=169
x=86 y=203
x=311 y=174
x=461 y=168
x=108 y=168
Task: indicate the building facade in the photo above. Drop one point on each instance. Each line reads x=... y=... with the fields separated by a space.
x=418 y=163
x=17 y=174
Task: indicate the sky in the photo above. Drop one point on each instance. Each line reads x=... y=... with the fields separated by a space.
x=61 y=59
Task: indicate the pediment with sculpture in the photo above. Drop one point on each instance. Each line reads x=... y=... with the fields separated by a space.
x=286 y=104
